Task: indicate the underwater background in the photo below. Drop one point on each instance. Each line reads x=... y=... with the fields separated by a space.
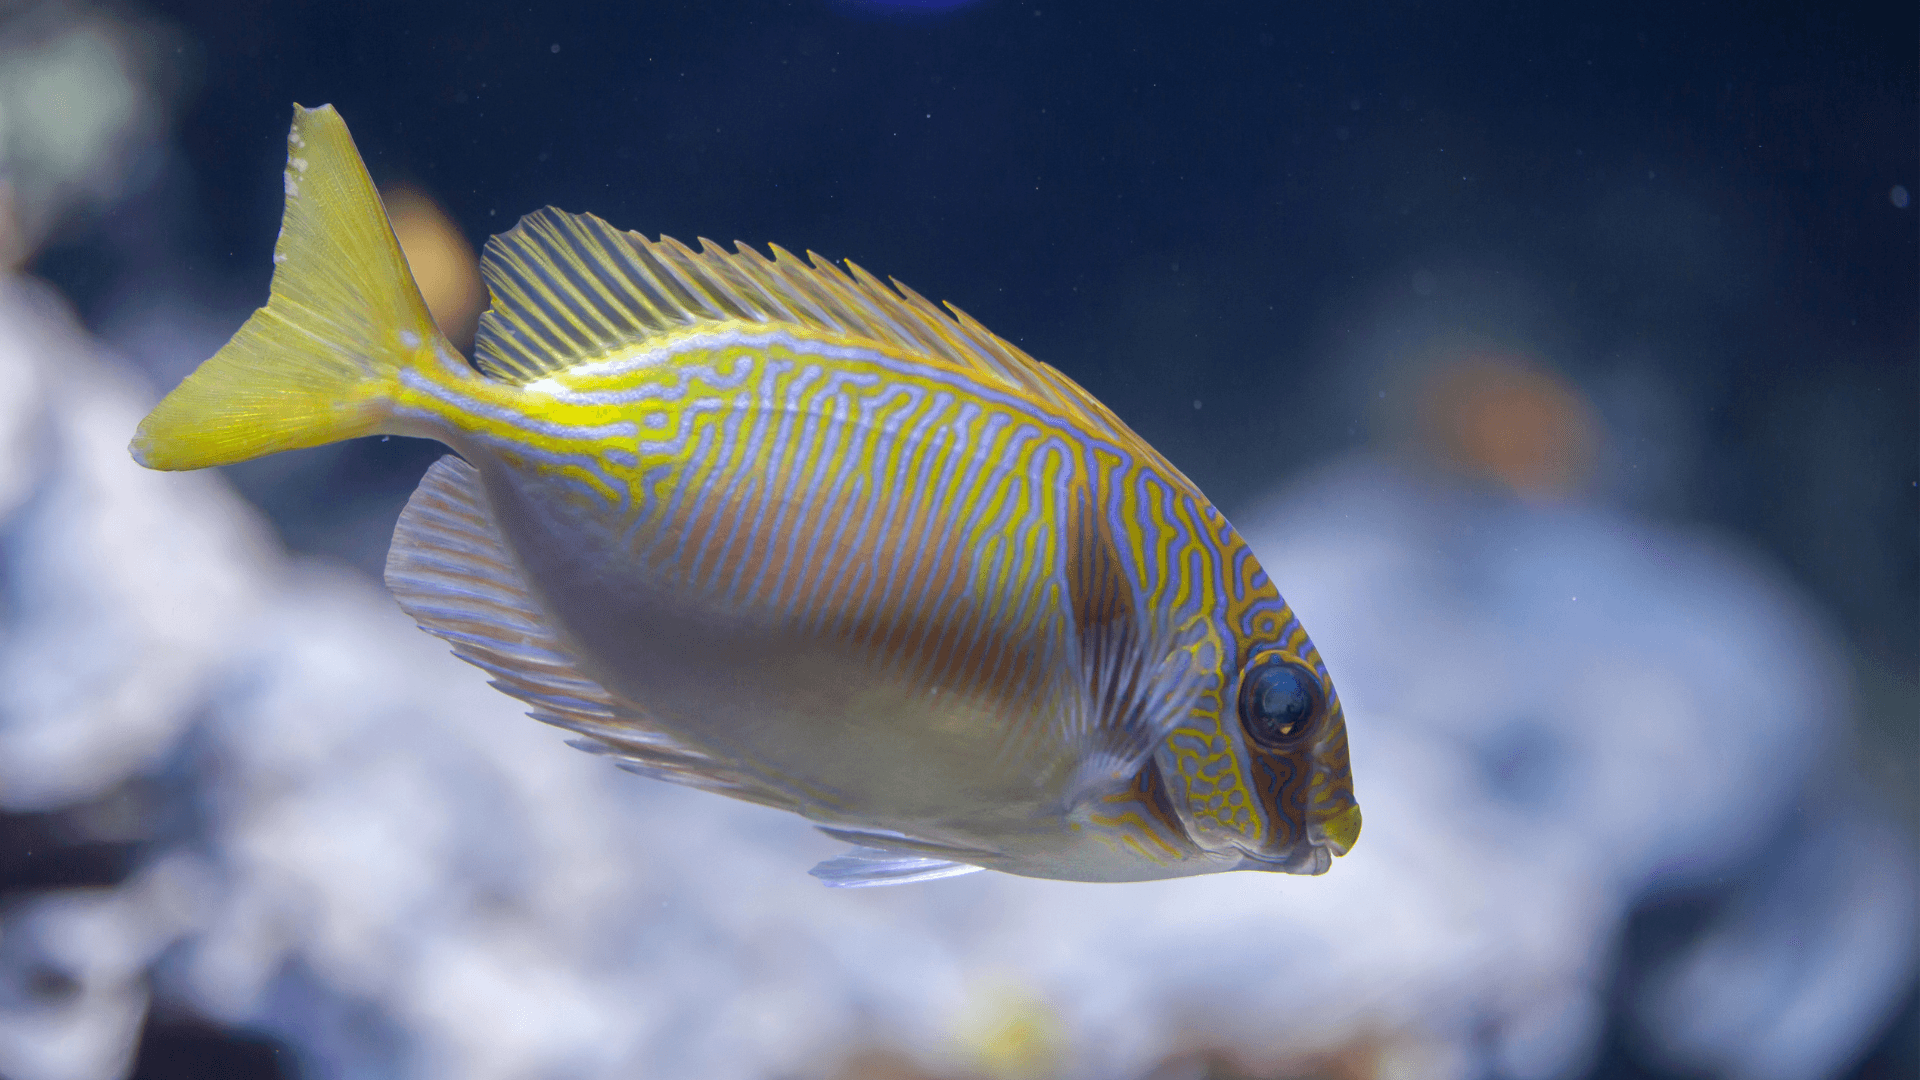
x=1558 y=362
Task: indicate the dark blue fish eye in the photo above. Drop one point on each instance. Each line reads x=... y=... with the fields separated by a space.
x=1278 y=702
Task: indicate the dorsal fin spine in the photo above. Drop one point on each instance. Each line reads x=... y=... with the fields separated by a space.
x=743 y=270
x=649 y=288
x=510 y=300
x=609 y=301
x=668 y=279
x=861 y=308
x=786 y=302
x=838 y=304
x=569 y=289
x=943 y=329
x=699 y=278
x=570 y=337
x=873 y=293
x=591 y=315
x=782 y=268
x=663 y=262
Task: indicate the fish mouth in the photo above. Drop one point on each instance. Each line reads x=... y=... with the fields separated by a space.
x=1327 y=838
x=1338 y=831
x=1309 y=859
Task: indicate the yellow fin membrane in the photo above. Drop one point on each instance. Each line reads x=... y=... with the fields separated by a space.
x=313 y=366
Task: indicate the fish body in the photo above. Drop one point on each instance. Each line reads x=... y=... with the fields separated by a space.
x=777 y=530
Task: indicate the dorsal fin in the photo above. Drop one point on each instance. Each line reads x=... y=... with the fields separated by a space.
x=568 y=288
x=450 y=569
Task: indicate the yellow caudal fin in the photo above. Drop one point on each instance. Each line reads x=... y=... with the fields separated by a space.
x=314 y=366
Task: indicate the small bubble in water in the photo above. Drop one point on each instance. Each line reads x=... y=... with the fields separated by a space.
x=1898 y=196
x=553 y=48
x=1196 y=403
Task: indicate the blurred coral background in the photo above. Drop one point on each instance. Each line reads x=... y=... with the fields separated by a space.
x=1559 y=364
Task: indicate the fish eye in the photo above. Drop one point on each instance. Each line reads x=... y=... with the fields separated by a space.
x=1278 y=702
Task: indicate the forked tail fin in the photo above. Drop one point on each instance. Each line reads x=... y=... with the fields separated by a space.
x=315 y=364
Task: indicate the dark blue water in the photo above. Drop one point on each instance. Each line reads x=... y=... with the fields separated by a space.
x=1697 y=215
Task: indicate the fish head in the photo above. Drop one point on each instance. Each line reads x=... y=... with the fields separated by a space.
x=1272 y=788
x=1287 y=716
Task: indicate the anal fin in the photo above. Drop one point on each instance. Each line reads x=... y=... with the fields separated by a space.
x=885 y=857
x=866 y=867
x=451 y=570
x=901 y=843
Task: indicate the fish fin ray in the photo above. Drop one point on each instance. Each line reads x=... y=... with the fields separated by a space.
x=902 y=843
x=452 y=572
x=866 y=867
x=1109 y=722
x=344 y=315
x=570 y=288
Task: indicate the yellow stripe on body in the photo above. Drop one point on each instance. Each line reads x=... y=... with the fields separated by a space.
x=567 y=434
x=980 y=626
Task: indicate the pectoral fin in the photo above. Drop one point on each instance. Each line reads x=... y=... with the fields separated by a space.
x=1122 y=699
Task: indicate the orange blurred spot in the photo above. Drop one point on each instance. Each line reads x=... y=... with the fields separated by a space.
x=443 y=263
x=1365 y=1058
x=1498 y=415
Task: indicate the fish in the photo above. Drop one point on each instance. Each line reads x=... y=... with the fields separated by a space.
x=769 y=527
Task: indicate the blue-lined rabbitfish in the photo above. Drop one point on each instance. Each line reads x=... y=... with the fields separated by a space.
x=774 y=529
